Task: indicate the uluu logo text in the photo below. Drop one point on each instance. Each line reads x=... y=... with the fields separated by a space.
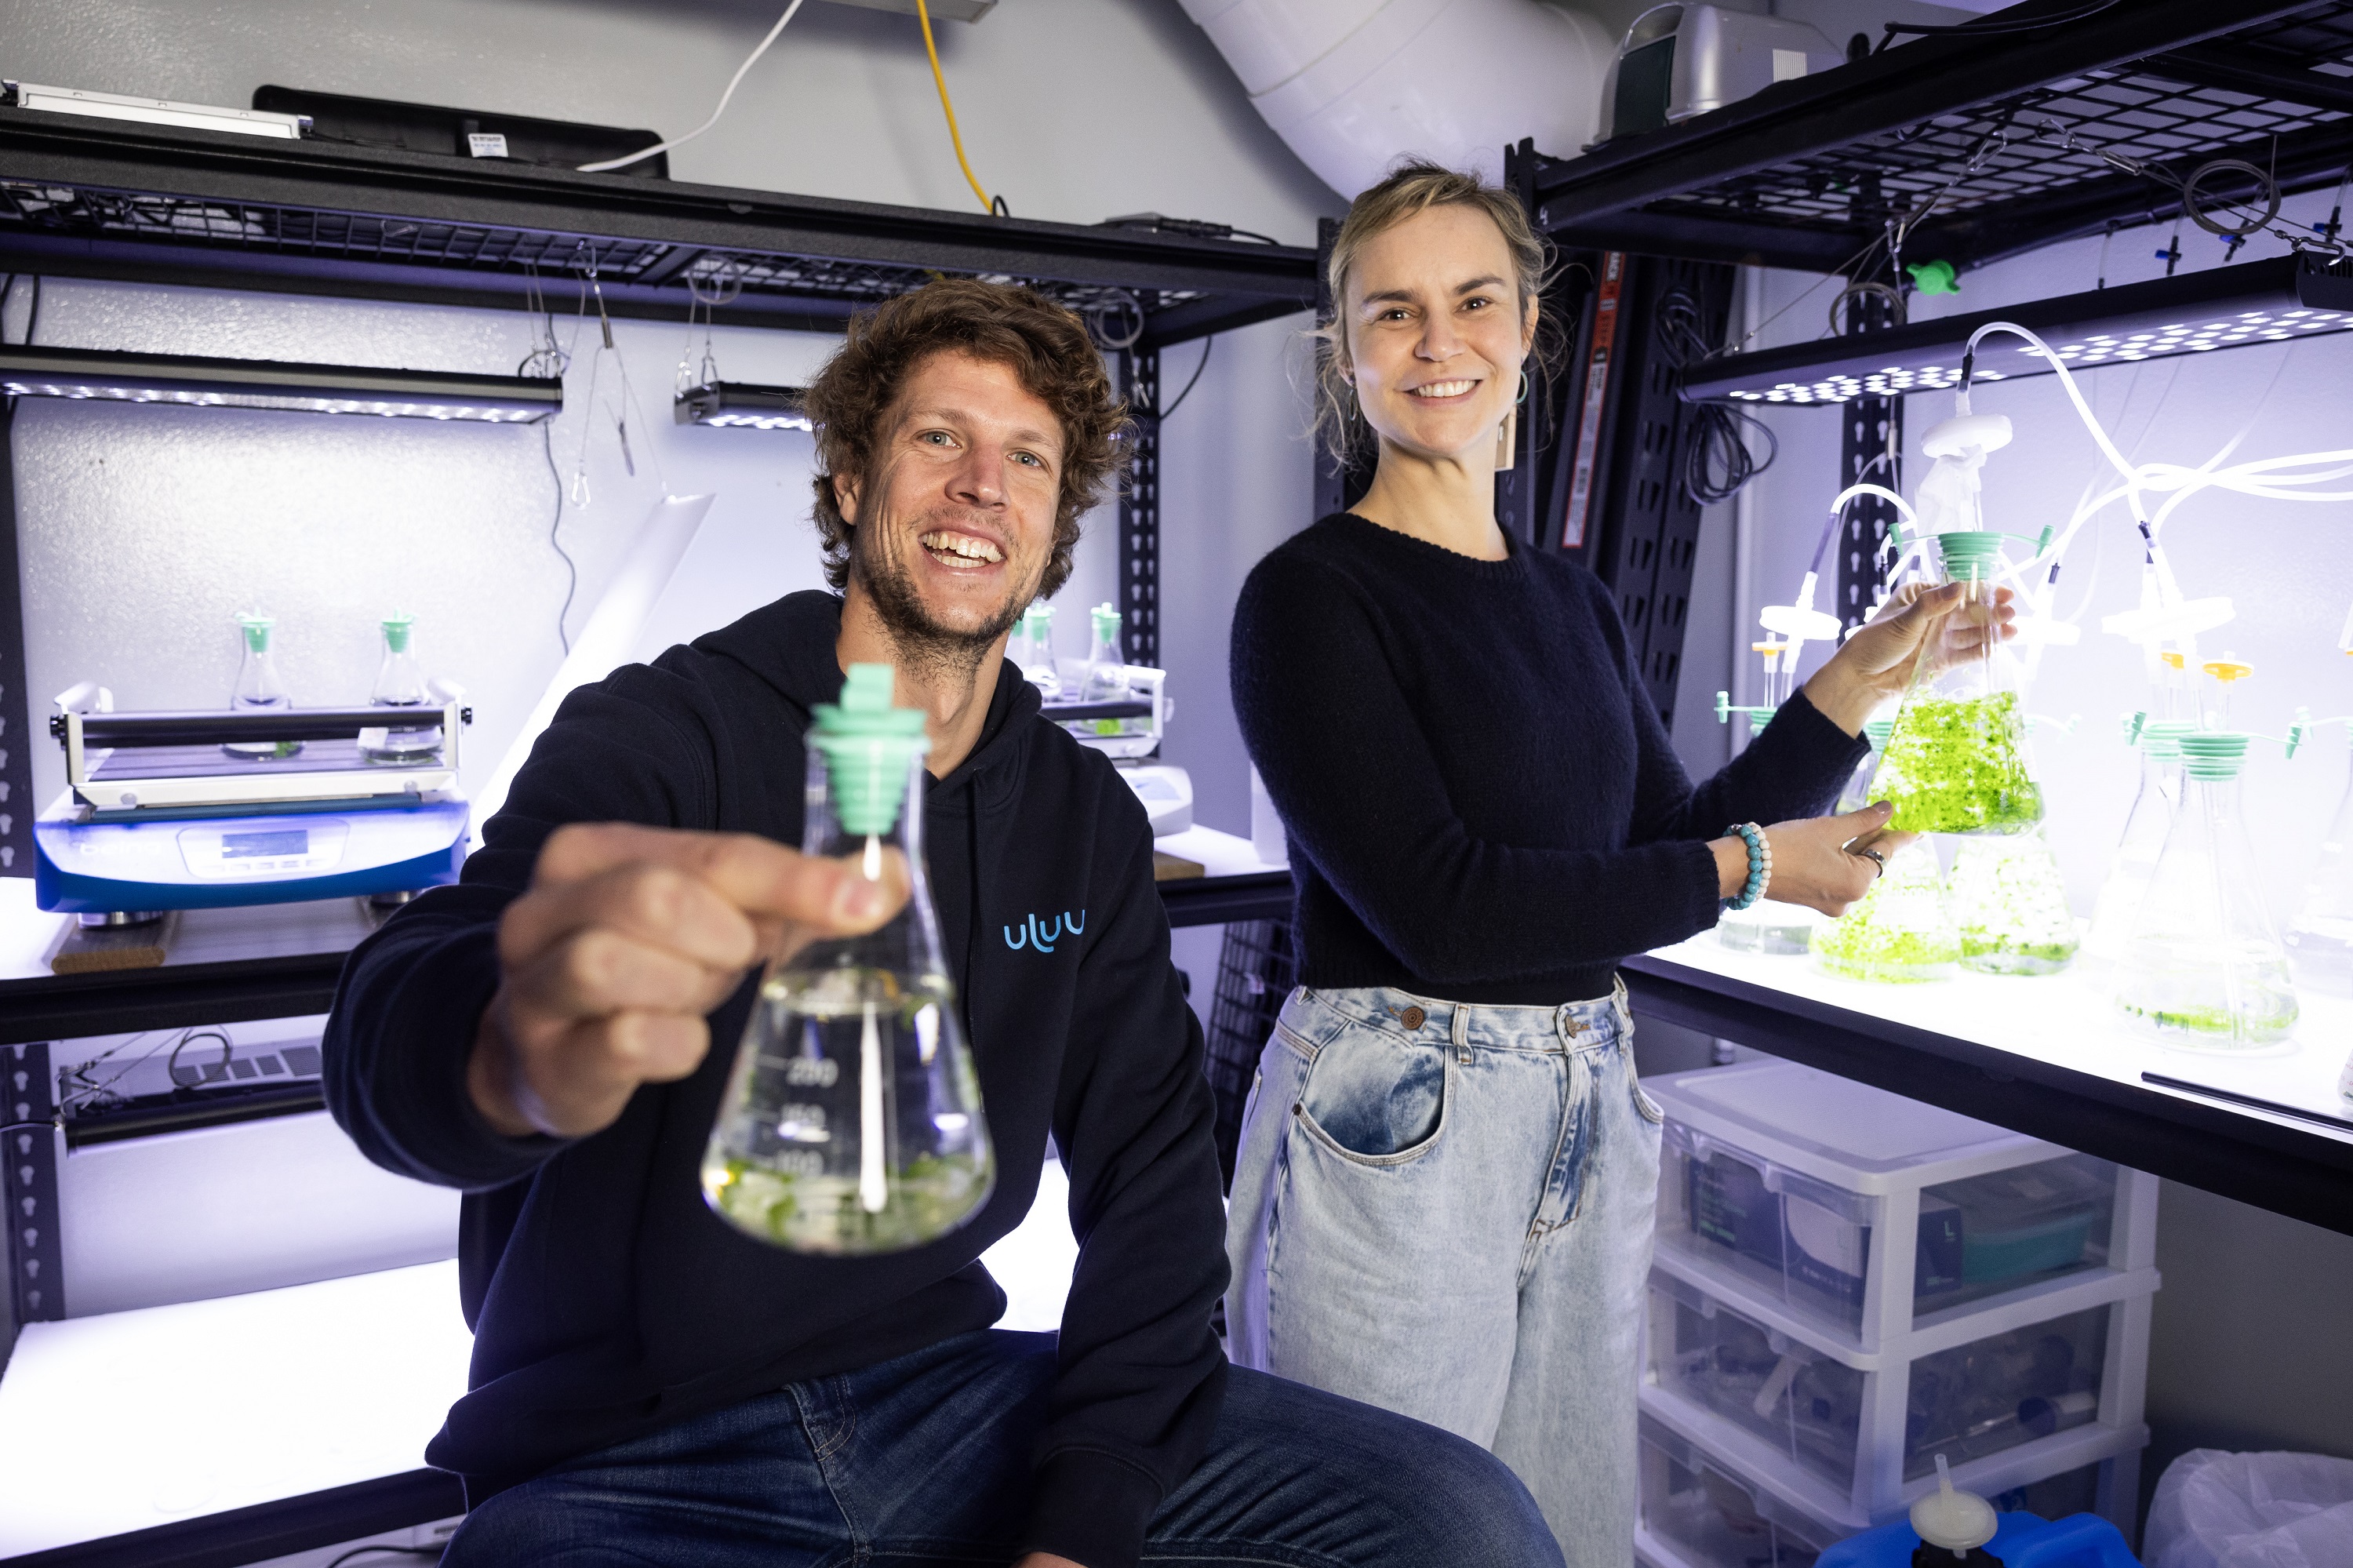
x=1043 y=936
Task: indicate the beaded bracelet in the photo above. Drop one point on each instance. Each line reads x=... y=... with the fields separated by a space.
x=1760 y=864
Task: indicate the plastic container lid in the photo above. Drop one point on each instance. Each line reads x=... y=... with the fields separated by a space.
x=1954 y=1521
x=866 y=745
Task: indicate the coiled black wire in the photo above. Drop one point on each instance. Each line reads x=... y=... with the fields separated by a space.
x=1717 y=459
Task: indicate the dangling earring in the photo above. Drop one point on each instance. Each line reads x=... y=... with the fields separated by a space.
x=1507 y=439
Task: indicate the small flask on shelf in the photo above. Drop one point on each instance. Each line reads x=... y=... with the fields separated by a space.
x=2204 y=969
x=259 y=687
x=1106 y=677
x=400 y=683
x=1032 y=650
x=1768 y=926
x=2126 y=886
x=2011 y=903
x=1903 y=930
x=1958 y=759
x=852 y=1122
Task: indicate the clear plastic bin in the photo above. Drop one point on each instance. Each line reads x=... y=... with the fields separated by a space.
x=1780 y=1177
x=1967 y=1401
x=1701 y=1509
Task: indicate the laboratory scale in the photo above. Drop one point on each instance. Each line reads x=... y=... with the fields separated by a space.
x=212 y=810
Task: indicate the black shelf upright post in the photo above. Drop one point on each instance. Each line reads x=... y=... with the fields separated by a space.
x=1139 y=511
x=17 y=802
x=1871 y=449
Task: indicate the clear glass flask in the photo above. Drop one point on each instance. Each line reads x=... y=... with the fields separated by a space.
x=1032 y=650
x=2319 y=938
x=1768 y=926
x=259 y=687
x=1106 y=666
x=1857 y=794
x=2125 y=887
x=1957 y=761
x=1902 y=931
x=2203 y=967
x=400 y=683
x=852 y=1123
x=2011 y=903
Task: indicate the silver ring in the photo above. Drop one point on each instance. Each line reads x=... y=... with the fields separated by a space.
x=1878 y=861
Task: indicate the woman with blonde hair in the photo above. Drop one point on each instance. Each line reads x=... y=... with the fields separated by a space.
x=1444 y=1198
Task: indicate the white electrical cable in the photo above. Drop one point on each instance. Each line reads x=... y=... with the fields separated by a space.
x=749 y=62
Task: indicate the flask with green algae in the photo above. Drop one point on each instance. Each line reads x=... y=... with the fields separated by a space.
x=2204 y=968
x=2011 y=903
x=1902 y=931
x=852 y=1123
x=1957 y=762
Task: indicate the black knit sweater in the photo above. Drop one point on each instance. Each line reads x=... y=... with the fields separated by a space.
x=1482 y=801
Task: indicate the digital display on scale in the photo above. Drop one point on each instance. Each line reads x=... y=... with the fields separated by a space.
x=270 y=842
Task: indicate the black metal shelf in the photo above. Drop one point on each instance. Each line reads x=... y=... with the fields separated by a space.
x=2303 y=1173
x=80 y=198
x=1808 y=174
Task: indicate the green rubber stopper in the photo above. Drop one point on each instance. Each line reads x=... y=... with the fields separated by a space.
x=1106 y=621
x=1876 y=731
x=257 y=632
x=396 y=632
x=2162 y=737
x=1971 y=552
x=1039 y=618
x=2214 y=754
x=1935 y=277
x=866 y=745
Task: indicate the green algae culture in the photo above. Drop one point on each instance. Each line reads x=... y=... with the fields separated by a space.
x=1903 y=930
x=1957 y=765
x=2011 y=905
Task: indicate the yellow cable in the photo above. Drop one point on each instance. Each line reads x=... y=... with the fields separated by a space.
x=925 y=16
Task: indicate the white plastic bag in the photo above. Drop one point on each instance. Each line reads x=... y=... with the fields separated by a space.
x=2216 y=1510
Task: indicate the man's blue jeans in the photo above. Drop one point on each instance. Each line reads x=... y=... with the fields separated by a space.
x=926 y=1459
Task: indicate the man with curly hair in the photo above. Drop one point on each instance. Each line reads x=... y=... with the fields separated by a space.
x=554 y=1035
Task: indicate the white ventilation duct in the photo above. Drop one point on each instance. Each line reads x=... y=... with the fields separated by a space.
x=1353 y=84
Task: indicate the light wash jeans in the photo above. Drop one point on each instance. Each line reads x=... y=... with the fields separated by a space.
x=1445 y=1210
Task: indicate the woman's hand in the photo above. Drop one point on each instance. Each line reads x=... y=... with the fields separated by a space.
x=1818 y=860
x=1876 y=661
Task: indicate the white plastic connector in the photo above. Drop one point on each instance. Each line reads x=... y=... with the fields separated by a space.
x=1952 y=437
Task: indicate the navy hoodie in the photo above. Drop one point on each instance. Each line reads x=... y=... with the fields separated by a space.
x=607 y=1301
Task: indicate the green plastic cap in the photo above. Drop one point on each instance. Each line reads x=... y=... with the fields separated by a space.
x=396 y=632
x=1039 y=618
x=868 y=744
x=1935 y=277
x=2214 y=754
x=1876 y=731
x=2162 y=737
x=1107 y=621
x=257 y=632
x=1970 y=553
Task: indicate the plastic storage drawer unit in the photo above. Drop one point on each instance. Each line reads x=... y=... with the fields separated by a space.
x=1699 y=1511
x=1786 y=1181
x=1973 y=1400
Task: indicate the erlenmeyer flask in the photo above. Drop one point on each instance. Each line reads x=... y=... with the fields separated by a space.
x=259 y=687
x=2320 y=938
x=399 y=683
x=2011 y=903
x=852 y=1123
x=1766 y=925
x=1957 y=761
x=2135 y=862
x=1857 y=794
x=1902 y=931
x=1033 y=650
x=2203 y=967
